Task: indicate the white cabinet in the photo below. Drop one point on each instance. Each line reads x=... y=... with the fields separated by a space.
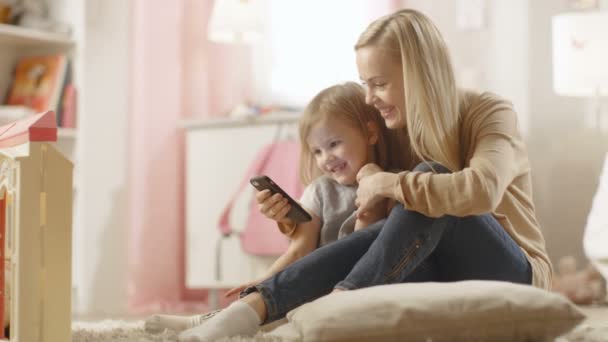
x=218 y=154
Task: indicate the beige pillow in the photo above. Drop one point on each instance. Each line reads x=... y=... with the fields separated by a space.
x=464 y=311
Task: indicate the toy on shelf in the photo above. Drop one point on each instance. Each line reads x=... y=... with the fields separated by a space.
x=35 y=232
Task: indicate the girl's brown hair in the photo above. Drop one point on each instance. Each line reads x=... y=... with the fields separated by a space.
x=346 y=102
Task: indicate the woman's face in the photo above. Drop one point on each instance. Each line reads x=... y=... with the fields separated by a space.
x=382 y=76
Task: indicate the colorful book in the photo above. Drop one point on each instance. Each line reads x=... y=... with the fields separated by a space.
x=68 y=107
x=38 y=82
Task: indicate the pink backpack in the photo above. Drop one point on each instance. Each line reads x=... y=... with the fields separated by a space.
x=261 y=236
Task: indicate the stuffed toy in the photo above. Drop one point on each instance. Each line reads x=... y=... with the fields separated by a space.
x=581 y=286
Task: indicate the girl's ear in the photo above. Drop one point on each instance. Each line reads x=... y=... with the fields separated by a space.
x=373 y=131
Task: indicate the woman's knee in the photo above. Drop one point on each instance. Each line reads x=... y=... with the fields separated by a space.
x=431 y=167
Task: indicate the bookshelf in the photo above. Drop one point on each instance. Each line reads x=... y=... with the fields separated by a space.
x=24 y=37
x=17 y=42
x=66 y=133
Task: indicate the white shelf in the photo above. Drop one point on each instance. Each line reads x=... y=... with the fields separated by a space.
x=264 y=119
x=67 y=133
x=25 y=37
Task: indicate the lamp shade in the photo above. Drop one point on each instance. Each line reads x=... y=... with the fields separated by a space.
x=580 y=54
x=236 y=21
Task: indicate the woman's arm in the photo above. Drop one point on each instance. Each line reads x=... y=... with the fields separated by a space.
x=377 y=213
x=496 y=155
x=376 y=192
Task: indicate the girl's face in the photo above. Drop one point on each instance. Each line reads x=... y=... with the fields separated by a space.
x=382 y=76
x=339 y=149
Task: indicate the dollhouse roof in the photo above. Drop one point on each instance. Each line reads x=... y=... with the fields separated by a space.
x=39 y=127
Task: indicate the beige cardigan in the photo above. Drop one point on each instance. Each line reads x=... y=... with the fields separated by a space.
x=495 y=178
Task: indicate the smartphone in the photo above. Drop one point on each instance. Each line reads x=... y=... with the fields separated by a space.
x=297 y=214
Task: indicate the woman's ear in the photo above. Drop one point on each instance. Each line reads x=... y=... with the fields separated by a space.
x=373 y=132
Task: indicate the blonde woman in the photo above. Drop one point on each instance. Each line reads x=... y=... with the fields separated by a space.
x=464 y=209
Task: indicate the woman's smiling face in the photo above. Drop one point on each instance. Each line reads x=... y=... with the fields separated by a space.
x=382 y=76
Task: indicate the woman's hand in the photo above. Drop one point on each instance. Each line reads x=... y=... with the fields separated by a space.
x=368 y=197
x=376 y=213
x=368 y=170
x=275 y=207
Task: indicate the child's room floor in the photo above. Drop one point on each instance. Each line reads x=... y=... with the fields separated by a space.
x=594 y=329
x=132 y=331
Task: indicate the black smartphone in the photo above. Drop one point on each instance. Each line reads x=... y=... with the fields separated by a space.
x=297 y=214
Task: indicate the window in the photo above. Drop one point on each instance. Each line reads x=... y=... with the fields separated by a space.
x=311 y=46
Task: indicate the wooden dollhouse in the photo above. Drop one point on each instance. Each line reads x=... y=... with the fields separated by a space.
x=35 y=232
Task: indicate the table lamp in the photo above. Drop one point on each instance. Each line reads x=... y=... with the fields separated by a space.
x=236 y=21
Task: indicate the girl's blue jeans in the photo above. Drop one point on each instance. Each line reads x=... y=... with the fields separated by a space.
x=405 y=247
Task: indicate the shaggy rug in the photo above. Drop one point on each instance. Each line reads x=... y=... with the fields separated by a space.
x=133 y=331
x=594 y=329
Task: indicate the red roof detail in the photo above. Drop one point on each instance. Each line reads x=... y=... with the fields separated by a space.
x=39 y=127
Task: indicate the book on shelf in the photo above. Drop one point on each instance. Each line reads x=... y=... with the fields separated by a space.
x=67 y=109
x=39 y=82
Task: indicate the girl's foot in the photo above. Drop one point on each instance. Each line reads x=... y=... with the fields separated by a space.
x=158 y=323
x=238 y=319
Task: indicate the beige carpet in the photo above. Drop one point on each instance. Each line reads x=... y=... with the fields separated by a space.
x=132 y=331
x=594 y=329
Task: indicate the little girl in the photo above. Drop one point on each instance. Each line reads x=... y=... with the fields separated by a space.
x=339 y=134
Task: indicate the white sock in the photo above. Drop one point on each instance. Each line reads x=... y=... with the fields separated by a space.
x=238 y=319
x=158 y=323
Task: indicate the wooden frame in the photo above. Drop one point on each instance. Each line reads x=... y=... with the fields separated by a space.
x=35 y=228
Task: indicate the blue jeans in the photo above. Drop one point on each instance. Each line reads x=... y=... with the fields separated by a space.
x=405 y=247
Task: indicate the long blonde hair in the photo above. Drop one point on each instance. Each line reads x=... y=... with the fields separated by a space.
x=345 y=102
x=431 y=96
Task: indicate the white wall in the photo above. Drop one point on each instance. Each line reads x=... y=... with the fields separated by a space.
x=101 y=253
x=492 y=56
x=566 y=156
x=508 y=55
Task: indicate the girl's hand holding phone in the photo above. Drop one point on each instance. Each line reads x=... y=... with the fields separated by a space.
x=275 y=207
